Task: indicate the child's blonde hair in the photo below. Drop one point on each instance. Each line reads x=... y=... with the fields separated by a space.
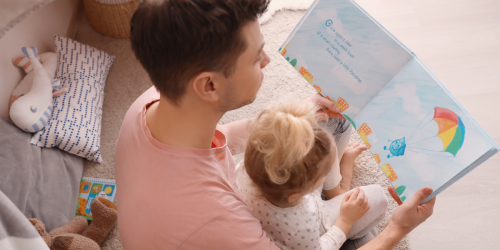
x=284 y=150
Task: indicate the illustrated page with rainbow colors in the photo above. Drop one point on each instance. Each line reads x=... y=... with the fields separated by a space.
x=416 y=130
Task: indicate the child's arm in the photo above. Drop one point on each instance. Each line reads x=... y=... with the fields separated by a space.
x=354 y=205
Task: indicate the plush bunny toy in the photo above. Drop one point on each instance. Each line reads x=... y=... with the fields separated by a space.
x=31 y=101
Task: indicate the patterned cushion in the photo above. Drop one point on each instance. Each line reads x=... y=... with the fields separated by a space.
x=75 y=125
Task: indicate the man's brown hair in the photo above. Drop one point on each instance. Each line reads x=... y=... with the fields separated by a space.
x=176 y=39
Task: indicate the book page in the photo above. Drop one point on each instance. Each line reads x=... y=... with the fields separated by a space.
x=344 y=54
x=418 y=133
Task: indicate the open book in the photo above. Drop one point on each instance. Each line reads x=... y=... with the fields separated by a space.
x=415 y=129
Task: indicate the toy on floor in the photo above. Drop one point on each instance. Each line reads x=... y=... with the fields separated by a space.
x=76 y=234
x=31 y=101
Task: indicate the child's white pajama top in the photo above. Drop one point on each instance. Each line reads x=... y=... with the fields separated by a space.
x=305 y=226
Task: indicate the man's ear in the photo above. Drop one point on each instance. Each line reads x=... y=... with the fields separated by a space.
x=206 y=87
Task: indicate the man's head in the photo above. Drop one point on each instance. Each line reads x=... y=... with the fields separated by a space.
x=209 y=48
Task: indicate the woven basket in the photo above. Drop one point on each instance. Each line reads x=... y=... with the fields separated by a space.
x=111 y=19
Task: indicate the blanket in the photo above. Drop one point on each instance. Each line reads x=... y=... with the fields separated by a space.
x=42 y=183
x=16 y=232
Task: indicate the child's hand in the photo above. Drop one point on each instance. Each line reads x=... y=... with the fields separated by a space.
x=354 y=205
x=327 y=109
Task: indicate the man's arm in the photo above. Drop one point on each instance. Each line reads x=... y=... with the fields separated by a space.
x=406 y=217
x=387 y=239
x=234 y=228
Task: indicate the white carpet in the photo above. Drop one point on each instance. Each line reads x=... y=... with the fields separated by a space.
x=127 y=80
x=277 y=5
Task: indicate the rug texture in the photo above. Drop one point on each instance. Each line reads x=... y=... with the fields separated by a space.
x=127 y=80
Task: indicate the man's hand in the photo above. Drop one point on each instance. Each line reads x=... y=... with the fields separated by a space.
x=327 y=108
x=410 y=214
x=406 y=217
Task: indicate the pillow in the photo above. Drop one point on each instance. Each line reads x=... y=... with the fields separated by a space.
x=75 y=125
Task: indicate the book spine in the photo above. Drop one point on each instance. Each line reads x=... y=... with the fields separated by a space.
x=461 y=174
x=103 y=181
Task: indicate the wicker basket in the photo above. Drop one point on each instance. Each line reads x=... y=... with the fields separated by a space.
x=110 y=19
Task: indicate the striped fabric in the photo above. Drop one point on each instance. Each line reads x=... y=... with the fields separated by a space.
x=58 y=89
x=42 y=122
x=24 y=62
x=75 y=125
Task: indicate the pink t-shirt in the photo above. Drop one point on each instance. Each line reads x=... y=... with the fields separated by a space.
x=179 y=198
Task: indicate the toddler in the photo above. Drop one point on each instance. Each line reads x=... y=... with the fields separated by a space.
x=287 y=159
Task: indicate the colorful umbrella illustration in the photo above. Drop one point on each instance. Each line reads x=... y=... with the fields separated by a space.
x=451 y=129
x=451 y=132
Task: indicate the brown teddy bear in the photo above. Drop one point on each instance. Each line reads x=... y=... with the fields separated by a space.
x=77 y=234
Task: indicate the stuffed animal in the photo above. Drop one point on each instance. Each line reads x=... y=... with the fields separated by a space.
x=76 y=234
x=32 y=111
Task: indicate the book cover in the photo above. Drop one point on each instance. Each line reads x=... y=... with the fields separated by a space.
x=90 y=189
x=415 y=129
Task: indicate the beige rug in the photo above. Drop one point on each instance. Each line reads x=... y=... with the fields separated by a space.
x=127 y=80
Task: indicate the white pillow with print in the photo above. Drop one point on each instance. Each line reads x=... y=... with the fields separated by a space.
x=75 y=125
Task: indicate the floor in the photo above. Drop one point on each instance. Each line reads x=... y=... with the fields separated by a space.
x=459 y=40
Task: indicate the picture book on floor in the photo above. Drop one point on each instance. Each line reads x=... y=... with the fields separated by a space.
x=415 y=129
x=90 y=189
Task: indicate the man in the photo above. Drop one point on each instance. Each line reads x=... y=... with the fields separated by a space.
x=173 y=161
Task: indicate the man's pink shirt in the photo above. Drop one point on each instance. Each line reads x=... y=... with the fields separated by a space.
x=178 y=198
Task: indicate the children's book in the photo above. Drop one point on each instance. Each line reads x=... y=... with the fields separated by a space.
x=415 y=129
x=90 y=189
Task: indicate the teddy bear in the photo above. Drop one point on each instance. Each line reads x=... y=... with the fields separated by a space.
x=78 y=234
